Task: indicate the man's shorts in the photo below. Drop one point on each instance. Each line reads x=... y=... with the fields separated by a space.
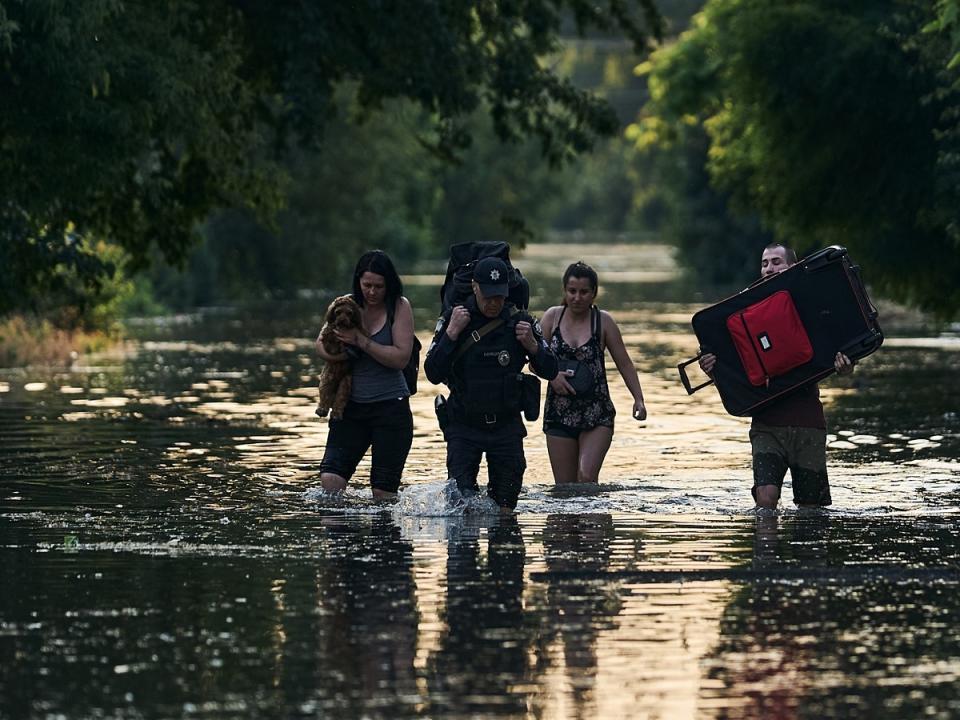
x=801 y=450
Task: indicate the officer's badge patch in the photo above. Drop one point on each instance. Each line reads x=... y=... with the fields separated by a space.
x=503 y=358
x=494 y=274
x=536 y=327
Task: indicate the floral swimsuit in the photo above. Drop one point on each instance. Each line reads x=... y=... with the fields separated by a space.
x=569 y=411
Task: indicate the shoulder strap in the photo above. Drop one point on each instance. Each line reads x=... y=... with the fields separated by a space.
x=595 y=322
x=475 y=337
x=556 y=328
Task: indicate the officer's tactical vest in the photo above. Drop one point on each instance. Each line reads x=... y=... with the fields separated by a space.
x=486 y=378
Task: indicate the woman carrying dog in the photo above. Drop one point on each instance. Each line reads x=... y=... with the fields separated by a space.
x=578 y=414
x=378 y=412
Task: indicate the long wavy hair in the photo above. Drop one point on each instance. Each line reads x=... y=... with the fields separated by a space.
x=377 y=261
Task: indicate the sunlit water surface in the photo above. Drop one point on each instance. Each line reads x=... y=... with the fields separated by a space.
x=165 y=550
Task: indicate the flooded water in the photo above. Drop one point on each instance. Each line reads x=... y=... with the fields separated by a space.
x=165 y=550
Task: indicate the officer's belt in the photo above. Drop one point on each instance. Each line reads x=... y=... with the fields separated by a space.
x=487 y=420
x=474 y=337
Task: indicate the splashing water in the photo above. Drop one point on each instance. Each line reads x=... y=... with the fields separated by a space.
x=438 y=512
x=441 y=499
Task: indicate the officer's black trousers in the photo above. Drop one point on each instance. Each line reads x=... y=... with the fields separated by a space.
x=506 y=464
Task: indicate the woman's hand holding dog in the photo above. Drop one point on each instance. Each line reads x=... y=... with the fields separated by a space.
x=352 y=336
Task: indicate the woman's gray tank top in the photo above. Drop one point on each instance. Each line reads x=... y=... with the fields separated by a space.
x=373 y=382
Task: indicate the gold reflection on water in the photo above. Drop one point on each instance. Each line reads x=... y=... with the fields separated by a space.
x=430 y=579
x=639 y=655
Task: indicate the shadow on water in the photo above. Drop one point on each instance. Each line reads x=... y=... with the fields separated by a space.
x=165 y=550
x=842 y=619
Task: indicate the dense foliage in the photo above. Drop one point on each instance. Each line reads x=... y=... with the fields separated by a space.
x=375 y=184
x=843 y=130
x=132 y=121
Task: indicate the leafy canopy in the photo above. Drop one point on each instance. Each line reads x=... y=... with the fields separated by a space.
x=132 y=120
x=836 y=121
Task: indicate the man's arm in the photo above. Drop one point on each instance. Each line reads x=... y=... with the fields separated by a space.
x=542 y=360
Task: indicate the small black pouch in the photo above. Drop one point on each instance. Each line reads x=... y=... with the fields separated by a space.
x=530 y=396
x=442 y=411
x=578 y=376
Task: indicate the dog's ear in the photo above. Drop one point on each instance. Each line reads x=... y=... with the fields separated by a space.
x=331 y=312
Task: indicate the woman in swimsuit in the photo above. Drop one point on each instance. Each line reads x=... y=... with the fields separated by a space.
x=579 y=427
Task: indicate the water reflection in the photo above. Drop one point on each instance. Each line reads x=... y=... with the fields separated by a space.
x=482 y=665
x=840 y=643
x=161 y=554
x=576 y=611
x=365 y=641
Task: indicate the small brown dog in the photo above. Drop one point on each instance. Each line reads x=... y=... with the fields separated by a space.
x=336 y=379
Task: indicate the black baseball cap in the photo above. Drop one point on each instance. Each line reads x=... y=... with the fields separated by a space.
x=492 y=275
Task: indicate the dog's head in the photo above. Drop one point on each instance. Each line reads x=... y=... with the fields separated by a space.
x=344 y=313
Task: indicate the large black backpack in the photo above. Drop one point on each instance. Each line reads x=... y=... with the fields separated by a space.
x=463 y=257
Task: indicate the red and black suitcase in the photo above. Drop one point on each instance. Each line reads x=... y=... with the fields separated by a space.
x=783 y=332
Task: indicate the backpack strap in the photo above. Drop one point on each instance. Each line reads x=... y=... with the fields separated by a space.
x=475 y=337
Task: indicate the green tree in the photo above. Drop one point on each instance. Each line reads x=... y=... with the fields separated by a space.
x=126 y=121
x=373 y=185
x=836 y=121
x=134 y=120
x=716 y=247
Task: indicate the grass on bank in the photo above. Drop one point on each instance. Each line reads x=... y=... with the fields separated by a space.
x=27 y=341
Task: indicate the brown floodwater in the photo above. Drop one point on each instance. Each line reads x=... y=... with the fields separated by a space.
x=165 y=550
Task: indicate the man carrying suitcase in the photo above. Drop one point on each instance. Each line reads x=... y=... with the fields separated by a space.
x=790 y=433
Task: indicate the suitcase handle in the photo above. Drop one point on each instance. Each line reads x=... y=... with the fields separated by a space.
x=855 y=272
x=824 y=257
x=682 y=367
x=862 y=345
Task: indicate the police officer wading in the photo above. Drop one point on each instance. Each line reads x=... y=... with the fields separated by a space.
x=479 y=351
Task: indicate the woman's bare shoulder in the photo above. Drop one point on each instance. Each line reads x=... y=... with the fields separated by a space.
x=402 y=304
x=551 y=312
